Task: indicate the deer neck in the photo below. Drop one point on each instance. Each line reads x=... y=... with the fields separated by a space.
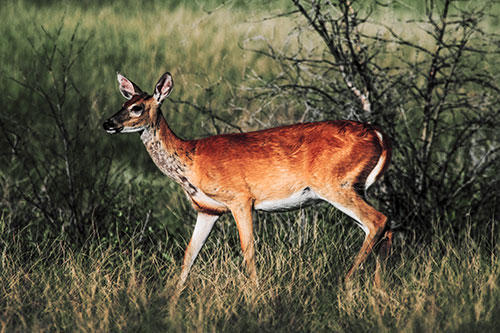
x=166 y=150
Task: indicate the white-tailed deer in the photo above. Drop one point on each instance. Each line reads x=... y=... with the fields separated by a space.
x=277 y=169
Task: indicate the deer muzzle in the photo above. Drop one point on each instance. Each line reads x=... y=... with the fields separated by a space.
x=112 y=127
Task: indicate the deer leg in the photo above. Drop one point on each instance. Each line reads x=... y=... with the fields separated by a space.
x=368 y=218
x=373 y=235
x=244 y=222
x=204 y=224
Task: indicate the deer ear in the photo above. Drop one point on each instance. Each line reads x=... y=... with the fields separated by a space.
x=127 y=87
x=163 y=87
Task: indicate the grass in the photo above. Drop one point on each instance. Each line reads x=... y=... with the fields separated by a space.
x=446 y=286
x=201 y=49
x=121 y=281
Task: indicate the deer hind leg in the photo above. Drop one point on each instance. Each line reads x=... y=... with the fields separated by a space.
x=204 y=224
x=368 y=218
x=244 y=222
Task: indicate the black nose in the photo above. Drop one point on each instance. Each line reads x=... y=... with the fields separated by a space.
x=110 y=126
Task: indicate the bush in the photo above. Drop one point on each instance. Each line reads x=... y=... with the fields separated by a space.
x=59 y=180
x=428 y=83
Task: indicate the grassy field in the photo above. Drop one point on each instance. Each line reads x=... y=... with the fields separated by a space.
x=450 y=285
x=122 y=277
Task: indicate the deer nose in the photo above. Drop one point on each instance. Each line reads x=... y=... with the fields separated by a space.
x=110 y=126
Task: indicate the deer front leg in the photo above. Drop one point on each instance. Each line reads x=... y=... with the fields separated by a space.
x=204 y=224
x=243 y=217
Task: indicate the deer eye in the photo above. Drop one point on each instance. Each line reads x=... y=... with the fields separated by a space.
x=137 y=109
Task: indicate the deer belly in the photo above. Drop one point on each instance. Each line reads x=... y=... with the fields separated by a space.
x=303 y=198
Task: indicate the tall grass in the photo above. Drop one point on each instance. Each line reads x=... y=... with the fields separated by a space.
x=201 y=49
x=450 y=285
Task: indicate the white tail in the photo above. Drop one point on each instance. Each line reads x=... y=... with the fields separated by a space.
x=277 y=169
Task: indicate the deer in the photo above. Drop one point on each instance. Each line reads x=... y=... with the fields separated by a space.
x=272 y=170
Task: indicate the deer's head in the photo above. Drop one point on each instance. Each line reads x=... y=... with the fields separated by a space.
x=140 y=109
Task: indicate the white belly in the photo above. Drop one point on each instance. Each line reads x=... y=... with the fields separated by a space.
x=297 y=200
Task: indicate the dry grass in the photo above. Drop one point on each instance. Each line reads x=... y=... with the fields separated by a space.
x=443 y=287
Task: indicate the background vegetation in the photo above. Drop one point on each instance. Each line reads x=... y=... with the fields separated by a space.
x=92 y=235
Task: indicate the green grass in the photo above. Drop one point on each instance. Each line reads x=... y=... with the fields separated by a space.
x=201 y=50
